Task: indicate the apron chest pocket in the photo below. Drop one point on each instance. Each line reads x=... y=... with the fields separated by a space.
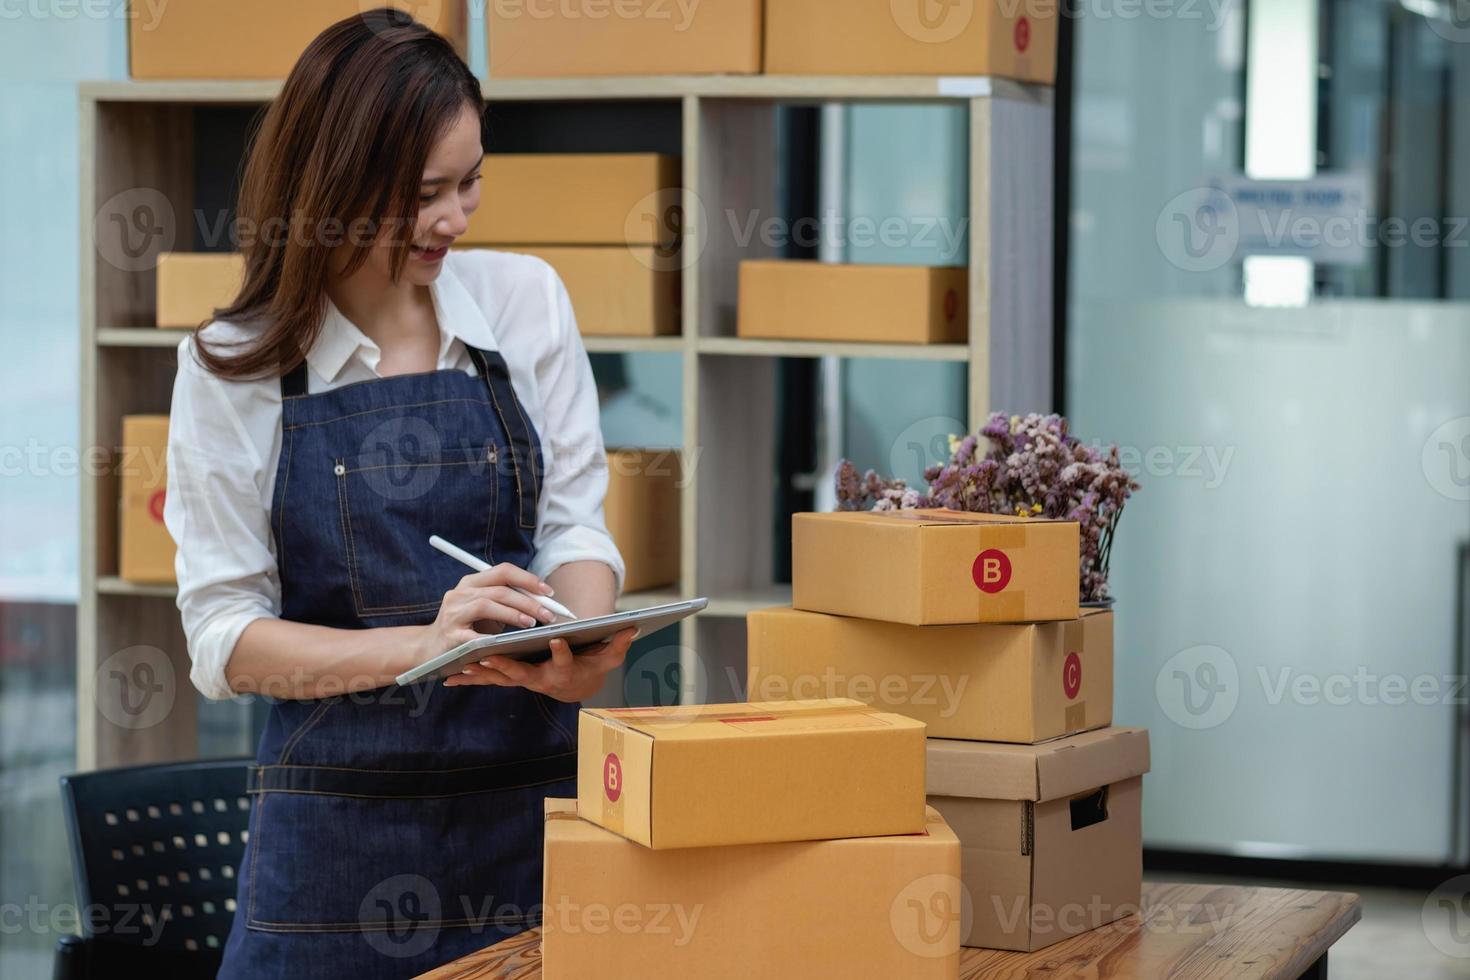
x=389 y=507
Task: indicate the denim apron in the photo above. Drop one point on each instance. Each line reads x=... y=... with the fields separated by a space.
x=396 y=829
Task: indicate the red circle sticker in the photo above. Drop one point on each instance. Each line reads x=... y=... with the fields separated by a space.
x=1072 y=675
x=991 y=571
x=155 y=505
x=1023 y=34
x=612 y=777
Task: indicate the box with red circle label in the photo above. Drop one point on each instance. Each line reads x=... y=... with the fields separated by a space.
x=912 y=37
x=799 y=299
x=701 y=775
x=1051 y=835
x=1024 y=682
x=145 y=550
x=872 y=908
x=927 y=567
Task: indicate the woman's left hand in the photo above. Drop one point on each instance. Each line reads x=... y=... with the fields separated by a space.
x=565 y=677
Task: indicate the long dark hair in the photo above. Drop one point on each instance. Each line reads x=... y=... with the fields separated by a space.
x=337 y=160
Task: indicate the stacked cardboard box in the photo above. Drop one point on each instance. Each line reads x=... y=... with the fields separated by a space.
x=740 y=840
x=971 y=624
x=607 y=222
x=643 y=514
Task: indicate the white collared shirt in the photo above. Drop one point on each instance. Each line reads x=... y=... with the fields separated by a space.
x=225 y=439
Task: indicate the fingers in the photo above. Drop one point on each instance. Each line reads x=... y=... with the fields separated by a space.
x=486 y=607
x=479 y=675
x=505 y=574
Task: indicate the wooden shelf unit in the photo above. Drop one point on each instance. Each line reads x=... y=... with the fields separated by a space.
x=142 y=135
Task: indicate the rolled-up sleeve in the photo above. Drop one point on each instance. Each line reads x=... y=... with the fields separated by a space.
x=221 y=433
x=570 y=523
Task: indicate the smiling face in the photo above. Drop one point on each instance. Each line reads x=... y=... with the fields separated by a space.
x=448 y=194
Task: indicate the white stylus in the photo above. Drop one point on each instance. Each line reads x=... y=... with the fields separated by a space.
x=480 y=565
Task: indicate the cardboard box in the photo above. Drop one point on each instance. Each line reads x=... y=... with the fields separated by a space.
x=192 y=285
x=794 y=299
x=1050 y=834
x=927 y=567
x=1001 y=683
x=883 y=37
x=642 y=512
x=873 y=908
x=537 y=39
x=756 y=773
x=577 y=199
x=258 y=39
x=145 y=550
x=617 y=290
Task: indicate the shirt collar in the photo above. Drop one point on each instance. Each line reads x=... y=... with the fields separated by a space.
x=460 y=318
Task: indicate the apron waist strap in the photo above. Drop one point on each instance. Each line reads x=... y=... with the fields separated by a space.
x=380 y=784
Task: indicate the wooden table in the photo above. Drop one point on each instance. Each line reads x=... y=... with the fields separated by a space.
x=1185 y=932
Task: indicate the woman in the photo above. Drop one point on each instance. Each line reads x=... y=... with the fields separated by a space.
x=367 y=389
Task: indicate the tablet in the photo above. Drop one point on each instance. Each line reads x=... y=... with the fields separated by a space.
x=535 y=642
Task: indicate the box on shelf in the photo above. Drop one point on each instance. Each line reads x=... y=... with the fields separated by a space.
x=1025 y=682
x=259 y=39
x=1050 y=834
x=881 y=37
x=642 y=38
x=762 y=772
x=872 y=908
x=577 y=199
x=798 y=299
x=192 y=285
x=642 y=509
x=617 y=290
x=928 y=567
x=145 y=550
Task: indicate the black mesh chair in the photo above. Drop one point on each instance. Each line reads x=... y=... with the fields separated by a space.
x=155 y=852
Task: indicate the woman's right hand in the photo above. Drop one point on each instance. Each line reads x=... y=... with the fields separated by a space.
x=481 y=603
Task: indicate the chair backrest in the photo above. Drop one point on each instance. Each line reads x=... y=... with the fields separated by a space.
x=156 y=850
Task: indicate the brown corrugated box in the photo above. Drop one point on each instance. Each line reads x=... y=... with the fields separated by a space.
x=874 y=908
x=145 y=550
x=616 y=290
x=537 y=39
x=192 y=285
x=577 y=199
x=794 y=299
x=911 y=37
x=259 y=39
x=642 y=513
x=1050 y=834
x=1025 y=682
x=702 y=775
x=928 y=567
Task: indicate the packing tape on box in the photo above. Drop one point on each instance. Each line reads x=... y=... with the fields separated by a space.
x=1007 y=605
x=612 y=778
